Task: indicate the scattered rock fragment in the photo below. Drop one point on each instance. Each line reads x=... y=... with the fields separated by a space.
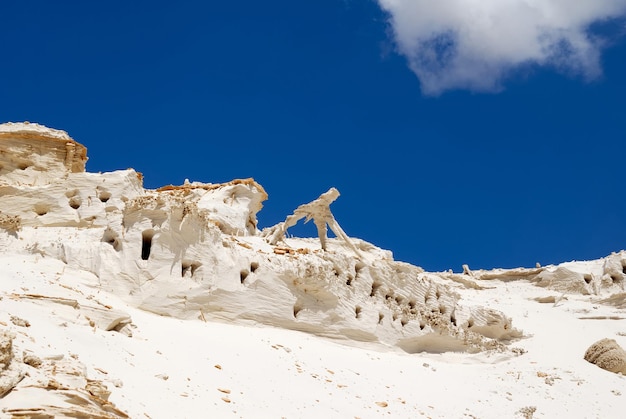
x=10 y=373
x=108 y=319
x=18 y=321
x=31 y=359
x=608 y=355
x=98 y=389
x=6 y=349
x=527 y=412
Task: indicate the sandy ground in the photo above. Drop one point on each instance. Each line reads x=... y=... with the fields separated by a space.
x=187 y=369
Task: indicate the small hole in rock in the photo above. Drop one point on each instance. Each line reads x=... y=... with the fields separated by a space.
x=243 y=275
x=616 y=279
x=104 y=196
x=587 y=278
x=470 y=323
x=23 y=166
x=422 y=325
x=403 y=322
x=41 y=209
x=453 y=319
x=375 y=286
x=394 y=317
x=188 y=268
x=146 y=243
x=399 y=299
x=357 y=312
x=358 y=267
x=75 y=202
x=349 y=280
x=438 y=294
x=624 y=267
x=297 y=308
x=381 y=316
x=442 y=309
x=412 y=304
x=110 y=237
x=254 y=266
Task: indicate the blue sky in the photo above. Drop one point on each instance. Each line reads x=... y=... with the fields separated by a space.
x=454 y=134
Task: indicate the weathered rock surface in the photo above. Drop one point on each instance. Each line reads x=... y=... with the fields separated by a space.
x=608 y=355
x=32 y=154
x=83 y=250
x=10 y=372
x=570 y=277
x=195 y=251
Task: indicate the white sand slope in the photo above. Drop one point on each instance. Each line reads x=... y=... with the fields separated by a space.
x=173 y=368
x=116 y=301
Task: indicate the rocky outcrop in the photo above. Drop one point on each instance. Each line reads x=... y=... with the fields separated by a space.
x=31 y=154
x=55 y=388
x=570 y=277
x=195 y=251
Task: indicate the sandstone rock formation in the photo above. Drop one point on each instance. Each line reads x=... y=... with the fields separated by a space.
x=32 y=154
x=319 y=211
x=195 y=251
x=570 y=277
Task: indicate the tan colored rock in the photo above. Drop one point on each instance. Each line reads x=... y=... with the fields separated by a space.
x=31 y=359
x=6 y=349
x=10 y=372
x=33 y=154
x=98 y=389
x=18 y=321
x=11 y=223
x=608 y=355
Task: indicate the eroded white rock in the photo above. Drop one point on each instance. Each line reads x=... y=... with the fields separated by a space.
x=195 y=251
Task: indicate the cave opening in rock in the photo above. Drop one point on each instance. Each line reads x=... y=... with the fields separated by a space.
x=146 y=243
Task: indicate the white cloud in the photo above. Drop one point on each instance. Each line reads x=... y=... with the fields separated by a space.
x=475 y=44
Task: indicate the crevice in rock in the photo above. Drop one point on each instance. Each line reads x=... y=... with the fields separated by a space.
x=189 y=268
x=112 y=238
x=243 y=274
x=146 y=243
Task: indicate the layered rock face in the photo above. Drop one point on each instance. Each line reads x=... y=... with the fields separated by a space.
x=195 y=252
x=35 y=155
